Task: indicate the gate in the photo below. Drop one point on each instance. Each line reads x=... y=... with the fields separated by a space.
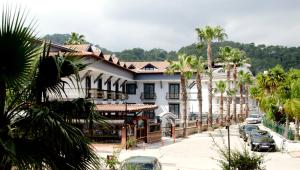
x=167 y=130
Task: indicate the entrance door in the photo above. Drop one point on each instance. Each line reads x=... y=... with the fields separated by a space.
x=141 y=131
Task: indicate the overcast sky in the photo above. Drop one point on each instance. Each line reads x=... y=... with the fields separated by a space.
x=167 y=24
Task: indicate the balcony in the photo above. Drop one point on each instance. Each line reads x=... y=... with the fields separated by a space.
x=148 y=96
x=106 y=95
x=172 y=96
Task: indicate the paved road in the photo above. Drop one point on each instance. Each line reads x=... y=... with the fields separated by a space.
x=198 y=152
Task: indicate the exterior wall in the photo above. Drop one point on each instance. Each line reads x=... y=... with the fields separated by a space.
x=93 y=71
x=161 y=82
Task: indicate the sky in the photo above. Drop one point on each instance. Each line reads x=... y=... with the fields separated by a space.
x=166 y=24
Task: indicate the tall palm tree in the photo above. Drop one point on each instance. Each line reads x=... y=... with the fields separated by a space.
x=224 y=56
x=32 y=135
x=238 y=58
x=221 y=87
x=206 y=36
x=229 y=93
x=197 y=64
x=75 y=39
x=241 y=83
x=248 y=82
x=182 y=67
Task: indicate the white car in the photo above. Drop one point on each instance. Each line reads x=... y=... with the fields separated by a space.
x=254 y=118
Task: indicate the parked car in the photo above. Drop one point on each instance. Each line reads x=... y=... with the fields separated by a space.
x=141 y=163
x=254 y=118
x=261 y=140
x=246 y=129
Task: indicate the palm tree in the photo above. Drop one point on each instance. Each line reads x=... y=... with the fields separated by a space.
x=75 y=39
x=33 y=136
x=230 y=93
x=241 y=83
x=20 y=55
x=238 y=59
x=224 y=56
x=197 y=65
x=182 y=67
x=248 y=82
x=207 y=35
x=221 y=87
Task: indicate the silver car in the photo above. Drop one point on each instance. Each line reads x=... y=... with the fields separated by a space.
x=141 y=163
x=254 y=118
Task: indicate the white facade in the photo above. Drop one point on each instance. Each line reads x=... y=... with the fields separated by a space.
x=109 y=69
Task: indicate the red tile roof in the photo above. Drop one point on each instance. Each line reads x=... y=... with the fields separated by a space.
x=80 y=47
x=139 y=66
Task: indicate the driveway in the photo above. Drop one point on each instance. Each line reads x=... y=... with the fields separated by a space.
x=198 y=152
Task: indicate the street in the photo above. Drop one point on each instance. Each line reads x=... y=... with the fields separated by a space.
x=198 y=152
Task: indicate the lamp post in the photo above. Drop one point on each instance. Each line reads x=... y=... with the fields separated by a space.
x=126 y=125
x=228 y=135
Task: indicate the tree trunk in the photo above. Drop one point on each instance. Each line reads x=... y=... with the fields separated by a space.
x=199 y=97
x=184 y=102
x=209 y=64
x=241 y=100
x=247 y=100
x=228 y=87
x=297 y=128
x=287 y=126
x=221 y=109
x=234 y=88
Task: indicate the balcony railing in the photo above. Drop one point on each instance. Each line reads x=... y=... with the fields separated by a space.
x=106 y=95
x=148 y=96
x=172 y=96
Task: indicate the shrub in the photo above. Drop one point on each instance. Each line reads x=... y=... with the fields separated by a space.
x=131 y=142
x=239 y=159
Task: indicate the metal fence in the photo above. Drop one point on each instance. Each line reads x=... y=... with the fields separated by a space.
x=278 y=128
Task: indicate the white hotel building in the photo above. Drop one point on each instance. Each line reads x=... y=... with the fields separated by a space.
x=107 y=80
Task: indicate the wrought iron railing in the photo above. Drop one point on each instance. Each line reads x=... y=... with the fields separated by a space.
x=148 y=96
x=105 y=94
x=172 y=95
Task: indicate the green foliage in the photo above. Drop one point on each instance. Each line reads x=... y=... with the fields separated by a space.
x=112 y=161
x=239 y=159
x=18 y=49
x=278 y=128
x=138 y=54
x=262 y=57
x=220 y=87
x=33 y=134
x=131 y=142
x=75 y=39
x=57 y=38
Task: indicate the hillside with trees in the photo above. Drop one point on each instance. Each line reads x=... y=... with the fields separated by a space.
x=262 y=57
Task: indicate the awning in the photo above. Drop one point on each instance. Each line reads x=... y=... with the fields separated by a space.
x=115 y=122
x=125 y=107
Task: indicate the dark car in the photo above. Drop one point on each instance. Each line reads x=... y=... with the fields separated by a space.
x=261 y=140
x=141 y=163
x=246 y=129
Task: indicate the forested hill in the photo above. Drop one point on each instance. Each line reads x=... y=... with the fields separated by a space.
x=261 y=57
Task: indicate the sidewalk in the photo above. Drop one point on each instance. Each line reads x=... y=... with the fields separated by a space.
x=292 y=147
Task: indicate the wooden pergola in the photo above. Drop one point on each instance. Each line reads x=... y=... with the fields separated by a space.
x=131 y=127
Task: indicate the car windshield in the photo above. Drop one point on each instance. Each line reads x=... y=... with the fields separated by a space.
x=261 y=133
x=138 y=166
x=250 y=128
x=254 y=116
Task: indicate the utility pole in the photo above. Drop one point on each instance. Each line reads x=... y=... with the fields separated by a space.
x=229 y=161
